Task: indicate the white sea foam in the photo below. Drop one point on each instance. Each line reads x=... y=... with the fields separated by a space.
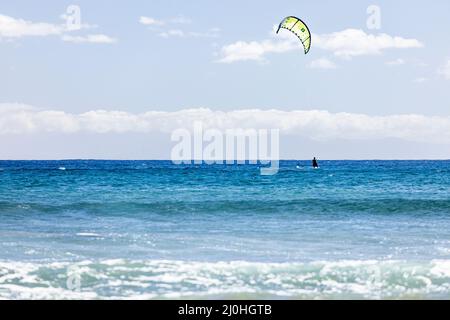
x=124 y=279
x=441 y=268
x=87 y=234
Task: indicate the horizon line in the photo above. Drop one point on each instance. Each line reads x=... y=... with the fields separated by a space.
x=235 y=160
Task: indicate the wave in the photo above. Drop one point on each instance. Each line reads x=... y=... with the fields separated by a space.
x=259 y=206
x=166 y=279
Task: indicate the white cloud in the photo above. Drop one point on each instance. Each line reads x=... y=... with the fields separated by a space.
x=15 y=28
x=254 y=50
x=322 y=63
x=175 y=31
x=345 y=44
x=151 y=21
x=313 y=124
x=172 y=33
x=159 y=22
x=396 y=62
x=355 y=42
x=211 y=33
x=90 y=38
x=445 y=70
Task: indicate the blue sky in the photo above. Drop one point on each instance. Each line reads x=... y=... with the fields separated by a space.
x=171 y=55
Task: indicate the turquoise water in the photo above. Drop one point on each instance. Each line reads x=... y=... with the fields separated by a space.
x=151 y=229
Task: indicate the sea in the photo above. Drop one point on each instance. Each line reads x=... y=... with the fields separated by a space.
x=98 y=229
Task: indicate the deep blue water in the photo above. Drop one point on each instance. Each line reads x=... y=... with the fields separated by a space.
x=152 y=229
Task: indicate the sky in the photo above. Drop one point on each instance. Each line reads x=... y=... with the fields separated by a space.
x=373 y=86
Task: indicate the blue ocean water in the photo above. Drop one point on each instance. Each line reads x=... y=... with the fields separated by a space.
x=152 y=229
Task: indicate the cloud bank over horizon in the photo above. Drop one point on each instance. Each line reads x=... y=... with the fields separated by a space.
x=319 y=125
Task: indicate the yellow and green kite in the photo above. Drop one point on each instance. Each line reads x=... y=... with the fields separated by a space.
x=299 y=28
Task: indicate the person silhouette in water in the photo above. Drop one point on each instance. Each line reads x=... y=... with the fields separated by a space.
x=314 y=163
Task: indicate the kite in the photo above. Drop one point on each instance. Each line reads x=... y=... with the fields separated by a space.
x=299 y=28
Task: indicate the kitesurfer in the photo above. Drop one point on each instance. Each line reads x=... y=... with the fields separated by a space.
x=314 y=163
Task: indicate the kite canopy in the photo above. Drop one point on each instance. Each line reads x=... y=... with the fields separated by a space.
x=299 y=28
